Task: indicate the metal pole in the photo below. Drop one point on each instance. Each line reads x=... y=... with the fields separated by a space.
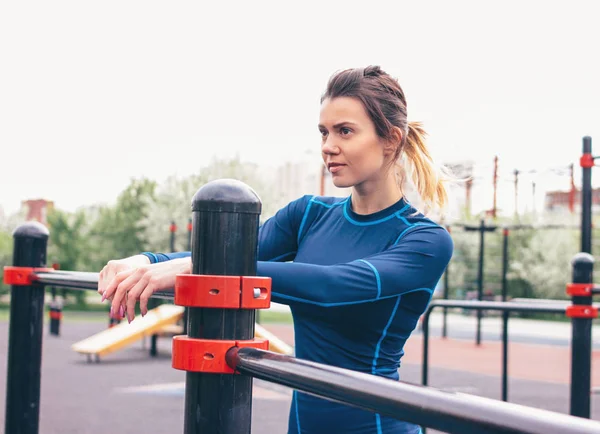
x=505 y=314
x=25 y=335
x=425 y=369
x=189 y=247
x=581 y=342
x=225 y=218
x=446 y=291
x=480 y=277
x=586 y=199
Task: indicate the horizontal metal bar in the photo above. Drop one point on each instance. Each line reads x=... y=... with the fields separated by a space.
x=501 y=306
x=446 y=411
x=81 y=280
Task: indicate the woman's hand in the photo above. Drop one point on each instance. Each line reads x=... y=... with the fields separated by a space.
x=139 y=283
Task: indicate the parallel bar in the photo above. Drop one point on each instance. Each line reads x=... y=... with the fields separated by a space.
x=498 y=306
x=446 y=411
x=81 y=280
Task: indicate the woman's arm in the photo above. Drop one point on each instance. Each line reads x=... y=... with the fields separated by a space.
x=415 y=263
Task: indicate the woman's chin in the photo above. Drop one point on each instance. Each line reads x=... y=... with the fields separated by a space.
x=340 y=182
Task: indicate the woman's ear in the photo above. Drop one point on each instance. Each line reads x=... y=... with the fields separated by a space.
x=392 y=145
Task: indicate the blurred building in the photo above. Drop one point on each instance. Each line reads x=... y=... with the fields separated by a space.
x=37 y=209
x=562 y=201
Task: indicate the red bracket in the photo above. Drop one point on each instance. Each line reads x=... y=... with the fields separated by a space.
x=208 y=355
x=224 y=292
x=21 y=276
x=586 y=161
x=580 y=289
x=55 y=315
x=582 y=311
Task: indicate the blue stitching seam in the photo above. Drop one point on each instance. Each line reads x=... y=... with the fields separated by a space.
x=154 y=258
x=376 y=276
x=345 y=303
x=384 y=219
x=410 y=227
x=383 y=334
x=304 y=220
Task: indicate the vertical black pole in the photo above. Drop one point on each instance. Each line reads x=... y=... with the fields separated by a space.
x=445 y=319
x=480 y=277
x=425 y=369
x=581 y=341
x=586 y=200
x=172 y=230
x=225 y=230
x=505 y=234
x=446 y=292
x=25 y=335
x=189 y=247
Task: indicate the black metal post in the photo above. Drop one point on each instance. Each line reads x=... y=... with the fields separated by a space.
x=505 y=314
x=581 y=342
x=446 y=292
x=586 y=200
x=225 y=229
x=425 y=369
x=25 y=335
x=189 y=247
x=480 y=277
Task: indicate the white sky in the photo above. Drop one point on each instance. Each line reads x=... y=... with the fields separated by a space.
x=95 y=93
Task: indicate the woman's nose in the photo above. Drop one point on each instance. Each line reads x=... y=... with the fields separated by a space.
x=329 y=146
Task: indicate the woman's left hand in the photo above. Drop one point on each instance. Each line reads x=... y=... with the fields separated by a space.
x=129 y=286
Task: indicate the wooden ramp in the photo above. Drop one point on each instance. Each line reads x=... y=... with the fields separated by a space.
x=161 y=320
x=124 y=334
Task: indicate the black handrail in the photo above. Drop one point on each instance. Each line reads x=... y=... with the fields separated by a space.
x=80 y=280
x=499 y=306
x=446 y=411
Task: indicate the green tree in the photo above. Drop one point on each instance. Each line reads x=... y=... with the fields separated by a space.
x=69 y=243
x=119 y=231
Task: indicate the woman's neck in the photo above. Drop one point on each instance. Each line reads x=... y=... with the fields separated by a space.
x=372 y=196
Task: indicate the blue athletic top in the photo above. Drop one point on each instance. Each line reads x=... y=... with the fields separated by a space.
x=356 y=288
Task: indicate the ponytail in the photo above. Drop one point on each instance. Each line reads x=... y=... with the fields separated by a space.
x=428 y=179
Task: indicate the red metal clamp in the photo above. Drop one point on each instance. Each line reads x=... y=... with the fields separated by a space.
x=586 y=161
x=21 y=276
x=580 y=289
x=224 y=292
x=54 y=314
x=208 y=355
x=582 y=311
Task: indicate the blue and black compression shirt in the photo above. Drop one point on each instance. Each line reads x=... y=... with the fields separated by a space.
x=356 y=286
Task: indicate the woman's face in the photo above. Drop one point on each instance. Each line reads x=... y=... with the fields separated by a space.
x=351 y=148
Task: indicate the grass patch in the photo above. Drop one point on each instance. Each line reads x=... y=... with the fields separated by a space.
x=272 y=317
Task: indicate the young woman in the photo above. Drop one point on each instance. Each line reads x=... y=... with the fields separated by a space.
x=357 y=272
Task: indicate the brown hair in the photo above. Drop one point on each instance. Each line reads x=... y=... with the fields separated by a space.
x=384 y=101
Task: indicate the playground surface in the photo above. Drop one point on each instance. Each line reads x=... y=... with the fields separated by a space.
x=129 y=392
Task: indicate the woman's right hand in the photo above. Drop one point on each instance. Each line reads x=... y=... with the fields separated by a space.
x=112 y=268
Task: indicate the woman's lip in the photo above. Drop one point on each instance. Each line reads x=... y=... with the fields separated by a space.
x=333 y=168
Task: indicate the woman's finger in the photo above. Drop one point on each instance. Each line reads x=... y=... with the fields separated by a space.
x=128 y=279
x=134 y=294
x=115 y=282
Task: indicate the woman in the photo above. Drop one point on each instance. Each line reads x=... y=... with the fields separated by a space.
x=363 y=268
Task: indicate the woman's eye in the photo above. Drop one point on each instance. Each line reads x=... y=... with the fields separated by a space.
x=345 y=131
x=323 y=133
